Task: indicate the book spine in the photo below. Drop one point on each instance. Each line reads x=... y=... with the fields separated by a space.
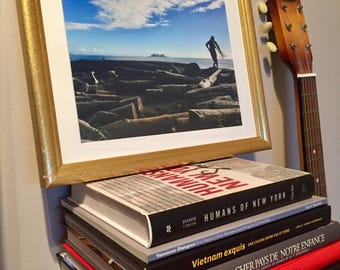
x=230 y=248
x=186 y=220
x=77 y=256
x=64 y=262
x=89 y=252
x=285 y=250
x=318 y=259
x=255 y=222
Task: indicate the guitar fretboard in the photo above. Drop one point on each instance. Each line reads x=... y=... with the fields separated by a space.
x=311 y=132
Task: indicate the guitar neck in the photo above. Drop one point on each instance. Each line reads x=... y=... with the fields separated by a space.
x=311 y=132
x=294 y=47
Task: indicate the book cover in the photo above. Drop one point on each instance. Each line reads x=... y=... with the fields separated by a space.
x=315 y=260
x=156 y=207
x=196 y=240
x=216 y=252
x=285 y=250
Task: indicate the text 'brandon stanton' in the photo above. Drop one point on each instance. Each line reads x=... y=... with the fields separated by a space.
x=230 y=210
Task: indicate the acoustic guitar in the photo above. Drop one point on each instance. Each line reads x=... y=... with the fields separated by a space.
x=290 y=30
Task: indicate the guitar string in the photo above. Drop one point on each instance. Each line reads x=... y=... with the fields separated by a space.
x=315 y=151
x=305 y=102
x=309 y=115
x=314 y=147
x=309 y=125
x=314 y=122
x=320 y=164
x=301 y=70
x=306 y=95
x=306 y=124
x=306 y=83
x=320 y=150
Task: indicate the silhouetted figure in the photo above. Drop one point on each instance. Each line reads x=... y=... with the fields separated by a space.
x=212 y=47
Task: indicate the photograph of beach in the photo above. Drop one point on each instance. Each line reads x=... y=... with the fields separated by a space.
x=150 y=67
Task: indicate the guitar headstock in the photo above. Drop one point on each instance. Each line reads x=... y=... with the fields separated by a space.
x=291 y=34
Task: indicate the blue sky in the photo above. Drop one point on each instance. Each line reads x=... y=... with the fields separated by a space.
x=176 y=28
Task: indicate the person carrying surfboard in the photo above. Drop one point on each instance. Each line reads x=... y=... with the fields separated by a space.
x=212 y=46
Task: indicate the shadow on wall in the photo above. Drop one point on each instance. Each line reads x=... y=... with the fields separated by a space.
x=285 y=92
x=53 y=216
x=1 y=231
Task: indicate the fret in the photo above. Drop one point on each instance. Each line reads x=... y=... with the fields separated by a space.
x=311 y=135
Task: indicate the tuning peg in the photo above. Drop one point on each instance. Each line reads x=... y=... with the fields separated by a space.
x=266 y=27
x=263 y=7
x=271 y=46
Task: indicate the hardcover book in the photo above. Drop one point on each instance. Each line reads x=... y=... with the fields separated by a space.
x=75 y=258
x=318 y=259
x=64 y=262
x=286 y=250
x=83 y=237
x=159 y=206
x=148 y=255
x=88 y=253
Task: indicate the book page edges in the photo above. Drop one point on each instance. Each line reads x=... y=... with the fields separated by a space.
x=130 y=222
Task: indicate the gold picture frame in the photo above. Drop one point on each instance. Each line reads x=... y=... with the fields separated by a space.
x=58 y=168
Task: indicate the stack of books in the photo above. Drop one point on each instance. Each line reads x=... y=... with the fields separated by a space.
x=224 y=214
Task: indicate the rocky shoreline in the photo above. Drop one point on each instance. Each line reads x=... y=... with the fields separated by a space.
x=120 y=99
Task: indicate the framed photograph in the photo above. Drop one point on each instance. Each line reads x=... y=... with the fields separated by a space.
x=121 y=87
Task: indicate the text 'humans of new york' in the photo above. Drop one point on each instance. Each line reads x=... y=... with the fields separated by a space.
x=196 y=180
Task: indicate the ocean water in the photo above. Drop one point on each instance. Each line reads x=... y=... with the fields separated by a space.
x=202 y=62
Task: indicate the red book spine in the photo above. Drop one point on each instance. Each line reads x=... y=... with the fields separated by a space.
x=77 y=256
x=315 y=260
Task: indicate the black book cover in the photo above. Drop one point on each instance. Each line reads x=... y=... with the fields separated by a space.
x=157 y=207
x=220 y=251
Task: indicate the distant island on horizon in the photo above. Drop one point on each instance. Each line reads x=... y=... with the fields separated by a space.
x=104 y=57
x=205 y=62
x=157 y=55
